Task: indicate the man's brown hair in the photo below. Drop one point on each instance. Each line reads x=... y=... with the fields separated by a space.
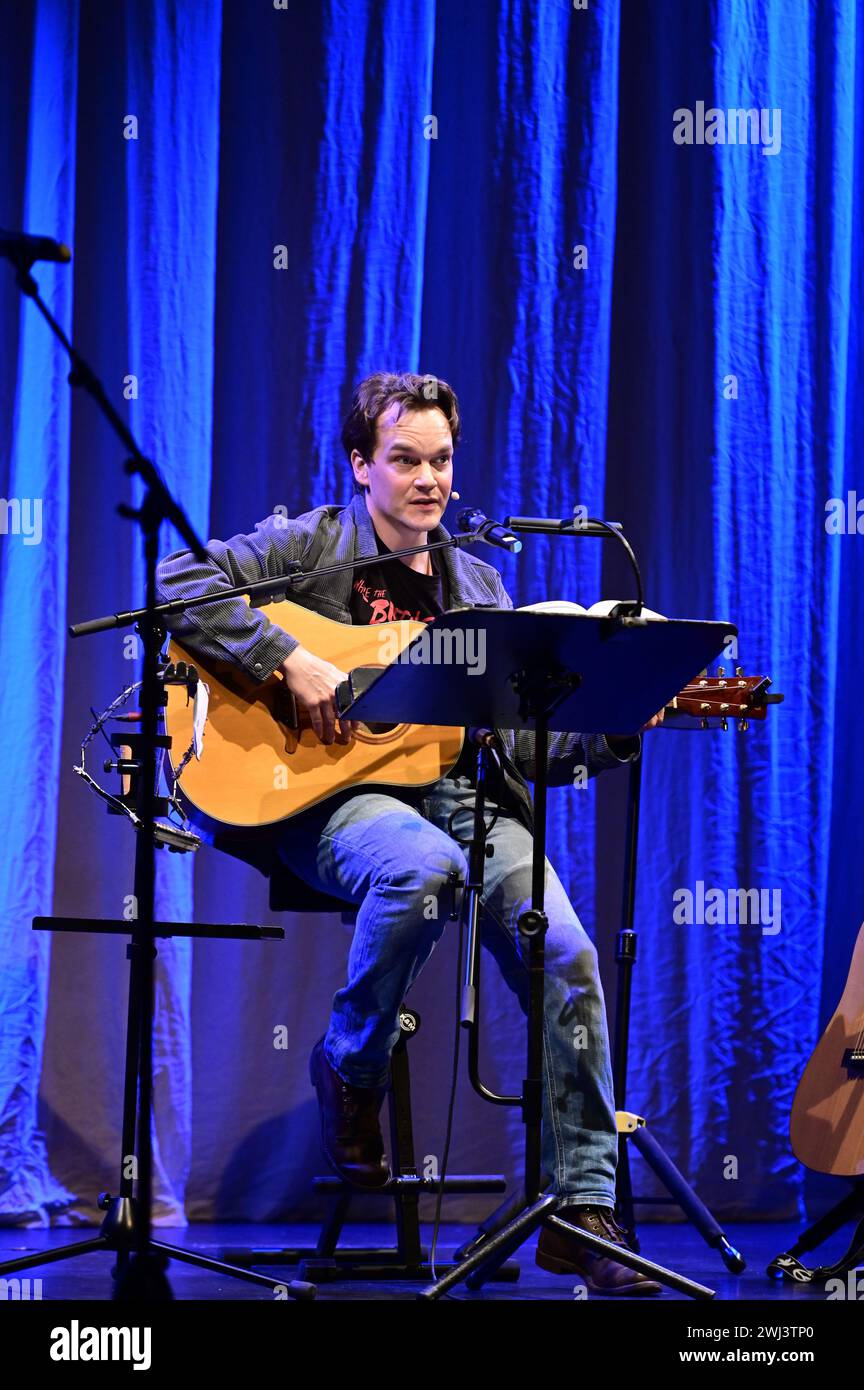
x=378 y=392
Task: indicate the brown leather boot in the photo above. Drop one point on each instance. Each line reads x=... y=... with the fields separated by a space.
x=350 y=1130
x=562 y=1253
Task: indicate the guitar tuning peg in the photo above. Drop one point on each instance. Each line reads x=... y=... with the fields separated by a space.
x=721 y=670
x=724 y=725
x=704 y=722
x=739 y=670
x=743 y=725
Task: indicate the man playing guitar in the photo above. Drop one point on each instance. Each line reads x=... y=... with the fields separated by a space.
x=387 y=850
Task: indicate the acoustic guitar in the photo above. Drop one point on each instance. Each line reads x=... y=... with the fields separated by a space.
x=826 y=1128
x=261 y=761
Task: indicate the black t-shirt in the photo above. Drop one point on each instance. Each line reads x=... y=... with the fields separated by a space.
x=387 y=593
x=390 y=592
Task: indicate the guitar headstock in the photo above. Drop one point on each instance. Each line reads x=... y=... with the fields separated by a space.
x=719 y=698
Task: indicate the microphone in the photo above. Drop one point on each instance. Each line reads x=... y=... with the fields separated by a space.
x=471 y=519
x=20 y=247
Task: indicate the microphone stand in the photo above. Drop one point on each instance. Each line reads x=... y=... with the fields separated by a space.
x=636 y=1129
x=632 y=1126
x=141 y=1277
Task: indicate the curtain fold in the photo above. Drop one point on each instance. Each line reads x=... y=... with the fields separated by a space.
x=33 y=559
x=173 y=62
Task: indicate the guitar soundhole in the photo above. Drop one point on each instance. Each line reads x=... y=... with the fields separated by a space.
x=376 y=730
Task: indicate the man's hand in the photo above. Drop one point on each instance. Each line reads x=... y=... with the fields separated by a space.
x=313 y=684
x=613 y=739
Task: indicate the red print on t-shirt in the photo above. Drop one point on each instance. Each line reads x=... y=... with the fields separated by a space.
x=381 y=608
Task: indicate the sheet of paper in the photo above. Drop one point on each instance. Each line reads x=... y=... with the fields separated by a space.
x=597 y=610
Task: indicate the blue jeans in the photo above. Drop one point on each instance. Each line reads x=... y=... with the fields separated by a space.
x=392 y=858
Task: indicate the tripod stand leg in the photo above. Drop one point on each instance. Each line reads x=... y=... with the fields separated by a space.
x=496 y=1221
x=670 y=1277
x=494 y=1251
x=852 y=1205
x=333 y=1225
x=508 y=1241
x=658 y=1160
x=294 y=1288
x=478 y=1267
x=693 y=1207
x=624 y=1191
x=47 y=1257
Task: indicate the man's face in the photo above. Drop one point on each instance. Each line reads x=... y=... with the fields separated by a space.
x=411 y=471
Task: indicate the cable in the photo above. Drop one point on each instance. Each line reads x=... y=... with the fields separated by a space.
x=457 y=1044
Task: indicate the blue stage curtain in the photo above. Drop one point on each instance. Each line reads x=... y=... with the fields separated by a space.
x=737 y=281
x=663 y=333
x=33 y=566
x=173 y=63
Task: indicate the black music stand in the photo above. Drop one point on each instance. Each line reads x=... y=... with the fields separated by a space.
x=125 y=1220
x=120 y=1227
x=636 y=1130
x=545 y=672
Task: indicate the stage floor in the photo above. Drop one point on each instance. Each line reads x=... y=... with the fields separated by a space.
x=678 y=1246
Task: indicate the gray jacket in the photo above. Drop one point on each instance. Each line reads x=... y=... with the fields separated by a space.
x=326 y=536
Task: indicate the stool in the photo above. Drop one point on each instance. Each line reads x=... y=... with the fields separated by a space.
x=408 y=1258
